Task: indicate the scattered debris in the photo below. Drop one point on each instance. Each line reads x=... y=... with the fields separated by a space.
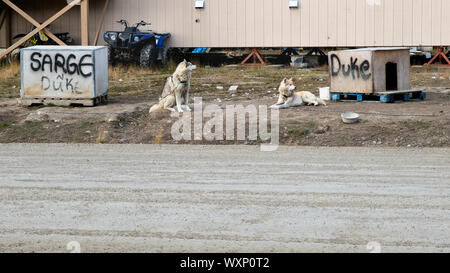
x=322 y=129
x=102 y=135
x=233 y=88
x=113 y=118
x=38 y=116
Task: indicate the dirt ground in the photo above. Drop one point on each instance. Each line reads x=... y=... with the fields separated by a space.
x=132 y=91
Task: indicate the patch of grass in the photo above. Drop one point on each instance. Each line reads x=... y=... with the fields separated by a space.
x=159 y=137
x=32 y=124
x=9 y=80
x=101 y=138
x=10 y=72
x=24 y=132
x=301 y=131
x=4 y=125
x=120 y=89
x=416 y=125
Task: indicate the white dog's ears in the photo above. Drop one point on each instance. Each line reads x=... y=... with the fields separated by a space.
x=285 y=79
x=291 y=79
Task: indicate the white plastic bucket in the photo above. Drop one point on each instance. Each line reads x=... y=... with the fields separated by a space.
x=324 y=93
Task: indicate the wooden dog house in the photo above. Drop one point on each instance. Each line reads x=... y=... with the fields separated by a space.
x=370 y=70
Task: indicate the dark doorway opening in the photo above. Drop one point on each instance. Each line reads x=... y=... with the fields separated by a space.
x=391 y=77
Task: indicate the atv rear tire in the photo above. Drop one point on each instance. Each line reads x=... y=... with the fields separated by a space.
x=147 y=57
x=165 y=56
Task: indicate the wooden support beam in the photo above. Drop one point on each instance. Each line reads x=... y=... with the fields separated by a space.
x=100 y=24
x=85 y=22
x=41 y=27
x=34 y=22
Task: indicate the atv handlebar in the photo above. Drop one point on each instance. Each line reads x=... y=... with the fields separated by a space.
x=142 y=23
x=123 y=22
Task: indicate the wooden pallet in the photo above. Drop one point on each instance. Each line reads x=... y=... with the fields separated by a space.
x=64 y=102
x=385 y=97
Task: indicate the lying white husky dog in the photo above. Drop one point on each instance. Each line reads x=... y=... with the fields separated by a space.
x=176 y=90
x=288 y=98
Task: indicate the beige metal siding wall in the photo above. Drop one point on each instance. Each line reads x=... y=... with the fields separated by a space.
x=269 y=23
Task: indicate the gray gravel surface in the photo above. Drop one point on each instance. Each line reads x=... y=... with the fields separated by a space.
x=144 y=198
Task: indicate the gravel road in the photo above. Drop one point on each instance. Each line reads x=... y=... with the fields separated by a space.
x=144 y=198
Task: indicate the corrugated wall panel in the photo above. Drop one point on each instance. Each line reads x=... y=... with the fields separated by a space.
x=241 y=20
x=351 y=22
x=265 y=23
x=388 y=23
x=342 y=23
x=323 y=23
x=407 y=21
x=232 y=23
x=259 y=22
x=332 y=28
x=360 y=23
x=436 y=21
x=314 y=21
x=397 y=37
x=249 y=15
x=445 y=26
x=277 y=27
x=301 y=27
x=369 y=26
x=427 y=21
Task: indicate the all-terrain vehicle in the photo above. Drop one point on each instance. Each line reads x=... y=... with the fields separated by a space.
x=132 y=44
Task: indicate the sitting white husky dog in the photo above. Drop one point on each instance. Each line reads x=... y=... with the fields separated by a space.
x=288 y=98
x=176 y=90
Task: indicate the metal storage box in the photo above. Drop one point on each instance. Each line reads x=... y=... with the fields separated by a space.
x=370 y=70
x=64 y=75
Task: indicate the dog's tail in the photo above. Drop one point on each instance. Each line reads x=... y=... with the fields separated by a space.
x=155 y=107
x=321 y=101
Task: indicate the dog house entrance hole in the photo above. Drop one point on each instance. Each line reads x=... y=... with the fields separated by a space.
x=391 y=77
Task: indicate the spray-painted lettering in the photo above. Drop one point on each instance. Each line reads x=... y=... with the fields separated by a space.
x=61 y=73
x=67 y=65
x=61 y=84
x=357 y=71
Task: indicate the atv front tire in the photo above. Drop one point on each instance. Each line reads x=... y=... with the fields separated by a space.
x=147 y=57
x=112 y=58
